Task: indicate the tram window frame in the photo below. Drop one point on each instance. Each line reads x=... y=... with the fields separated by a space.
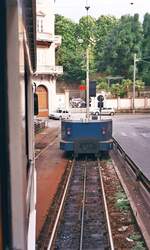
x=40 y=25
x=26 y=73
x=5 y=199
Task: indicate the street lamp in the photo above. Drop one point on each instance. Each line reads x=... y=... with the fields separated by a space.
x=87 y=7
x=132 y=8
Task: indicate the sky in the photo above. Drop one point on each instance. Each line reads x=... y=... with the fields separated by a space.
x=75 y=9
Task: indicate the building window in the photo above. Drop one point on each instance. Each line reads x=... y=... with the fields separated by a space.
x=40 y=25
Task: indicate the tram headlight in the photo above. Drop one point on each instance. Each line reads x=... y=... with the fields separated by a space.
x=103 y=131
x=68 y=131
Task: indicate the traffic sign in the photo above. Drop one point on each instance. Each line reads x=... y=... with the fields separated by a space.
x=100 y=98
x=82 y=87
x=92 y=88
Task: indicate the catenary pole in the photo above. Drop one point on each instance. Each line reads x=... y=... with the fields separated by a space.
x=134 y=78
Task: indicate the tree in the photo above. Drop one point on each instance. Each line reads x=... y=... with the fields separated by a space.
x=86 y=33
x=70 y=53
x=139 y=85
x=86 y=30
x=115 y=89
x=124 y=40
x=112 y=43
x=102 y=84
x=126 y=86
x=145 y=66
x=104 y=25
x=122 y=89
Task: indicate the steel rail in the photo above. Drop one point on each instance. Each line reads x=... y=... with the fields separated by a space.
x=136 y=170
x=106 y=209
x=83 y=209
x=60 y=209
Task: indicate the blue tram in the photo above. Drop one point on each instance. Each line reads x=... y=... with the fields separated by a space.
x=86 y=137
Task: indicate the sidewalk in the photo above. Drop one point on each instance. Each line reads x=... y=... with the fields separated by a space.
x=50 y=166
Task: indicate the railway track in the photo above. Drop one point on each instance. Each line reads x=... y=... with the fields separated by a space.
x=82 y=221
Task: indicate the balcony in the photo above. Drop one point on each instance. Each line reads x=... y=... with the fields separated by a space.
x=49 y=70
x=48 y=38
x=45 y=37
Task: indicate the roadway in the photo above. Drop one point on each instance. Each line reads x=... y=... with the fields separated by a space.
x=133 y=134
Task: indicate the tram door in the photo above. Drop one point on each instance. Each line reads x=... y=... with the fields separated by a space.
x=43 y=101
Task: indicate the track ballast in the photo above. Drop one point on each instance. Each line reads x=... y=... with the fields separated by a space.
x=83 y=223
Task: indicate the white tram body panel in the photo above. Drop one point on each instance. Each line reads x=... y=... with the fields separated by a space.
x=18 y=19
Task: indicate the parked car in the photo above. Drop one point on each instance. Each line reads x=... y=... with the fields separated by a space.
x=77 y=103
x=60 y=114
x=104 y=111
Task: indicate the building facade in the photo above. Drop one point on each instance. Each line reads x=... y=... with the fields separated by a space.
x=47 y=72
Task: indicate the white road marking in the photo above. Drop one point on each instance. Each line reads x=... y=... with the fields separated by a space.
x=146 y=135
x=124 y=134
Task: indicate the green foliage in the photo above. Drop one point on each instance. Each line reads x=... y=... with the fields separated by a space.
x=126 y=86
x=86 y=31
x=112 y=43
x=135 y=237
x=139 y=244
x=124 y=40
x=102 y=84
x=83 y=82
x=70 y=54
x=115 y=89
x=139 y=85
x=121 y=201
x=145 y=66
x=122 y=89
x=104 y=25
